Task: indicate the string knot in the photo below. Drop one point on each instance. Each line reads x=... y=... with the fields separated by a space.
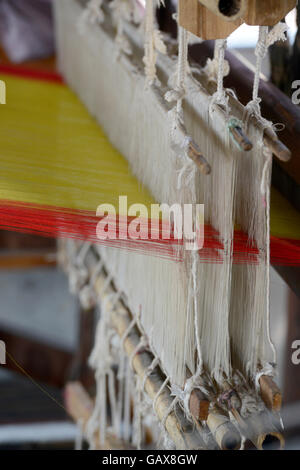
x=92 y=14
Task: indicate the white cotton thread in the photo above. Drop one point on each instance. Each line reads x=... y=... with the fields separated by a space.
x=92 y=14
x=101 y=360
x=137 y=420
x=82 y=253
x=219 y=97
x=169 y=410
x=149 y=371
x=265 y=40
x=127 y=403
x=143 y=343
x=153 y=42
x=196 y=323
x=265 y=191
x=126 y=333
x=212 y=66
x=122 y=10
x=167 y=379
x=113 y=401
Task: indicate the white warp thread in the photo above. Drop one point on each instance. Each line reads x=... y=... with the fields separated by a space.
x=92 y=14
x=219 y=97
x=159 y=392
x=265 y=40
x=122 y=10
x=153 y=42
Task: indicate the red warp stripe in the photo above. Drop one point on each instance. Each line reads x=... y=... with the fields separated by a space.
x=34 y=74
x=55 y=222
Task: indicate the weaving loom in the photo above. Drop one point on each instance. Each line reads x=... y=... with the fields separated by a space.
x=182 y=345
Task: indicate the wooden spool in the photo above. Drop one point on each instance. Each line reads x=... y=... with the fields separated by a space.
x=226 y=435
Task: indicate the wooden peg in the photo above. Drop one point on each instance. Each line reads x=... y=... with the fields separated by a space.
x=78 y=403
x=238 y=135
x=278 y=148
x=270 y=393
x=198 y=405
x=226 y=435
x=201 y=22
x=195 y=154
x=267 y=12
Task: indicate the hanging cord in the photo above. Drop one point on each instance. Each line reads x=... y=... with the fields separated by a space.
x=153 y=41
x=265 y=191
x=211 y=68
x=137 y=437
x=219 y=97
x=196 y=323
x=127 y=402
x=87 y=295
x=149 y=371
x=265 y=39
x=101 y=360
x=167 y=379
x=92 y=14
x=178 y=92
x=122 y=10
x=78 y=273
x=179 y=139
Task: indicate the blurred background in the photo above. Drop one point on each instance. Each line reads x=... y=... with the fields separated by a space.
x=47 y=336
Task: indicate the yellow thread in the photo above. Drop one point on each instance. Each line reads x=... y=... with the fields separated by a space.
x=54 y=153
